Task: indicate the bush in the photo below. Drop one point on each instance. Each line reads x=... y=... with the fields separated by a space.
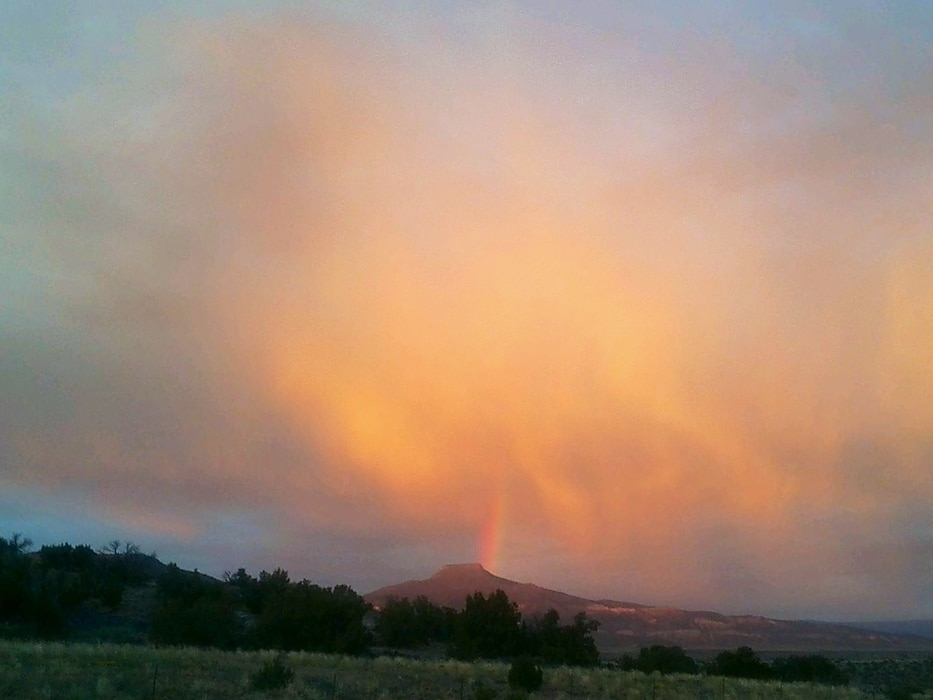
x=525 y=674
x=741 y=663
x=274 y=675
x=660 y=658
x=811 y=668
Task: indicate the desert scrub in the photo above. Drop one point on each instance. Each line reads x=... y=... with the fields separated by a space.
x=274 y=675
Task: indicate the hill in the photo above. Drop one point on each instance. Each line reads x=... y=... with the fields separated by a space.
x=916 y=628
x=626 y=626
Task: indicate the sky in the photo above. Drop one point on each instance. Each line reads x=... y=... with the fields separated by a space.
x=631 y=300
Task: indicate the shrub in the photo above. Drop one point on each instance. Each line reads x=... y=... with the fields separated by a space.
x=660 y=658
x=741 y=663
x=274 y=675
x=811 y=668
x=525 y=674
x=483 y=692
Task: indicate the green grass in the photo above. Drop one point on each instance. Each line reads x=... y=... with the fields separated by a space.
x=103 y=672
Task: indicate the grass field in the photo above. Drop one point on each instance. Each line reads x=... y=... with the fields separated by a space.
x=85 y=671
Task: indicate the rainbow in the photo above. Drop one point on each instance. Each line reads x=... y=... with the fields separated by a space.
x=490 y=537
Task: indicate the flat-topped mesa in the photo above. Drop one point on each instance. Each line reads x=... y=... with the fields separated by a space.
x=460 y=569
x=451 y=584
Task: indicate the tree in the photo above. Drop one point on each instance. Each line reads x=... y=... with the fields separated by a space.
x=568 y=644
x=580 y=647
x=193 y=610
x=305 y=616
x=19 y=544
x=247 y=589
x=437 y=621
x=487 y=628
x=811 y=668
x=398 y=624
x=272 y=584
x=81 y=559
x=33 y=600
x=741 y=663
x=663 y=659
x=16 y=581
x=405 y=623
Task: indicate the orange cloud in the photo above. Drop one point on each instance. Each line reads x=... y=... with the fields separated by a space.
x=437 y=333
x=455 y=294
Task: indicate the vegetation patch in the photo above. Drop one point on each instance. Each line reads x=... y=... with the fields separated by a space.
x=274 y=675
x=525 y=674
x=82 y=671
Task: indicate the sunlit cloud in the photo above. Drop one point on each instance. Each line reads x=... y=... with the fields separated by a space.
x=672 y=319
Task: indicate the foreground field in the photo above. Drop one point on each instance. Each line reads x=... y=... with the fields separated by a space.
x=82 y=672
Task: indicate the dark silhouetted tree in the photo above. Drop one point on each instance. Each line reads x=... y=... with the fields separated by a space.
x=305 y=616
x=811 y=668
x=19 y=544
x=488 y=628
x=33 y=601
x=398 y=625
x=663 y=659
x=741 y=663
x=247 y=589
x=568 y=644
x=193 y=610
x=405 y=623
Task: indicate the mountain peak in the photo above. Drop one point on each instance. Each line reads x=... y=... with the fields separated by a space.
x=459 y=569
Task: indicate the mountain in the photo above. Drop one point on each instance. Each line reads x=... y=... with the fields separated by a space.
x=452 y=583
x=628 y=626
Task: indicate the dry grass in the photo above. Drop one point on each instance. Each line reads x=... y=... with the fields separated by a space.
x=104 y=672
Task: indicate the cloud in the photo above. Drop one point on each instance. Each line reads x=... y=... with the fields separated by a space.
x=677 y=325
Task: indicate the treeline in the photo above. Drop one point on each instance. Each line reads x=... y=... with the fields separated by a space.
x=269 y=612
x=42 y=592
x=38 y=592
x=743 y=662
x=273 y=612
x=47 y=594
x=53 y=593
x=488 y=627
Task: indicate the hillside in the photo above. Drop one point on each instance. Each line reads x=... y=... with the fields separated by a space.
x=628 y=626
x=917 y=628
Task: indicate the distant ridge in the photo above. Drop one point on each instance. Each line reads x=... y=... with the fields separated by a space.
x=627 y=626
x=917 y=628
